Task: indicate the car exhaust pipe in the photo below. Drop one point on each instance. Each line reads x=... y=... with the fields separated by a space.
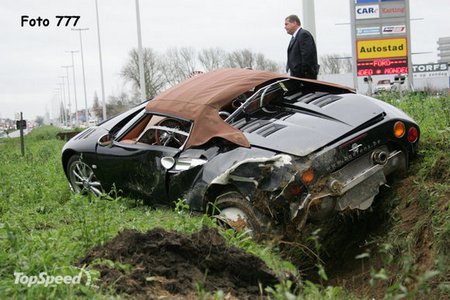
x=380 y=157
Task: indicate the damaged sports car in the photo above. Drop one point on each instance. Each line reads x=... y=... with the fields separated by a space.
x=261 y=151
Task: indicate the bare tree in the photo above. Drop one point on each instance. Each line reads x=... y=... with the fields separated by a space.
x=347 y=65
x=212 y=58
x=247 y=59
x=154 y=77
x=96 y=108
x=335 y=64
x=178 y=64
x=118 y=103
x=262 y=63
x=39 y=120
x=240 y=59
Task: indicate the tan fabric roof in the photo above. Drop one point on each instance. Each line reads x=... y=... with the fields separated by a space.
x=200 y=99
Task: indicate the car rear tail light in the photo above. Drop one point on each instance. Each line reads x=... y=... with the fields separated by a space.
x=308 y=176
x=399 y=129
x=413 y=134
x=295 y=189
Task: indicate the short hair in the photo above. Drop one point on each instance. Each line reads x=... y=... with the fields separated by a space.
x=294 y=18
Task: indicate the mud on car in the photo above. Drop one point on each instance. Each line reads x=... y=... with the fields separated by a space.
x=262 y=151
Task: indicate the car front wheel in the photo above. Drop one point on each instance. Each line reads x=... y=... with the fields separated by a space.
x=82 y=178
x=235 y=212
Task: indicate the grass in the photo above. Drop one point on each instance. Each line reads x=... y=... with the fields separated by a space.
x=416 y=256
x=46 y=228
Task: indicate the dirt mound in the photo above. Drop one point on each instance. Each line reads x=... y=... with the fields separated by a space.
x=167 y=263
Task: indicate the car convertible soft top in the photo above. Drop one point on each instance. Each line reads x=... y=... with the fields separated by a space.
x=201 y=97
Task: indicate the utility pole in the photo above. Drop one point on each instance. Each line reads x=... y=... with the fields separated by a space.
x=75 y=89
x=141 y=58
x=84 y=77
x=68 y=93
x=101 y=63
x=309 y=17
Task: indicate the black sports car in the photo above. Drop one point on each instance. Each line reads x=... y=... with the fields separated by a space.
x=262 y=151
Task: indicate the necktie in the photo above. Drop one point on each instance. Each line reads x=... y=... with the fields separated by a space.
x=291 y=42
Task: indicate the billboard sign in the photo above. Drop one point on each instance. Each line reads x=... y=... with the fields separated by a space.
x=381 y=48
x=430 y=67
x=368 y=30
x=430 y=70
x=381 y=38
x=382 y=66
x=390 y=10
x=367 y=11
x=394 y=29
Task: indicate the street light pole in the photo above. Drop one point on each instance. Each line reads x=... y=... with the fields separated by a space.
x=101 y=63
x=68 y=93
x=309 y=18
x=408 y=43
x=84 y=77
x=75 y=89
x=141 y=58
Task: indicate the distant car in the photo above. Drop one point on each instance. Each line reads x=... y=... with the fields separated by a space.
x=383 y=85
x=262 y=151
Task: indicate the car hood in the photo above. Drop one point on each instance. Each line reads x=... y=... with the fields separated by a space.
x=310 y=127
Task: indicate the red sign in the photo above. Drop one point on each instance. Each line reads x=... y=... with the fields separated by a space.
x=382 y=66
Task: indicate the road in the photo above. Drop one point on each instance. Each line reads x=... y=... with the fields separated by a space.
x=15 y=134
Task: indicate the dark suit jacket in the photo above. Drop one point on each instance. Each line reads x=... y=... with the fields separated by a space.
x=302 y=56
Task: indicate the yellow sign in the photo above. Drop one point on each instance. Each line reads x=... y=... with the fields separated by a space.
x=383 y=48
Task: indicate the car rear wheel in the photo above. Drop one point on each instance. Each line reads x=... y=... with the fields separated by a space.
x=82 y=178
x=235 y=212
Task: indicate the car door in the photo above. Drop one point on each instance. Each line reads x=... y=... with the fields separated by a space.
x=135 y=168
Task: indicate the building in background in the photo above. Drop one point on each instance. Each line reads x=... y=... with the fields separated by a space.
x=444 y=49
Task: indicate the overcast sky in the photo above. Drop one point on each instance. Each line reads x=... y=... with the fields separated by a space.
x=31 y=57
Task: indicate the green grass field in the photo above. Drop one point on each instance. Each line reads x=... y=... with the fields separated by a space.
x=46 y=228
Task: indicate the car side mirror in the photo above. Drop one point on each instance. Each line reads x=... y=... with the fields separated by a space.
x=167 y=162
x=105 y=140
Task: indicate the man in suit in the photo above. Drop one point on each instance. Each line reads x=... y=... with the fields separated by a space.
x=302 y=52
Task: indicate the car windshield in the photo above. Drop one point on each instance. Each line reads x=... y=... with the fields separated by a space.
x=152 y=129
x=257 y=100
x=129 y=124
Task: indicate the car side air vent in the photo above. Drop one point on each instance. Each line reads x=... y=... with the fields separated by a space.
x=324 y=101
x=308 y=98
x=253 y=126
x=293 y=97
x=268 y=130
x=85 y=134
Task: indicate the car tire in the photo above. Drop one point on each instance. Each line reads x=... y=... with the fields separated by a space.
x=234 y=211
x=82 y=178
